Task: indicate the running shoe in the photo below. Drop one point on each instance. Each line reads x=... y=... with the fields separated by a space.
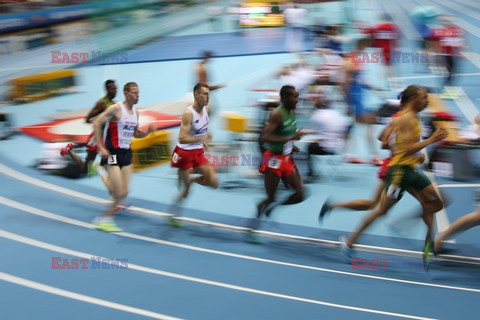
x=64 y=150
x=426 y=254
x=108 y=226
x=324 y=210
x=174 y=222
x=345 y=251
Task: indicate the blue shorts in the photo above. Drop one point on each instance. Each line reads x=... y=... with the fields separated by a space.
x=118 y=157
x=356 y=102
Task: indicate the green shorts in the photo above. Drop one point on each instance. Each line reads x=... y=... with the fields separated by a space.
x=401 y=178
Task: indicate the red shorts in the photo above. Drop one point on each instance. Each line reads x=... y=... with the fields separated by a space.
x=382 y=173
x=188 y=159
x=277 y=164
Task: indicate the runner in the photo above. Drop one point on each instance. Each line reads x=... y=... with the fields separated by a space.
x=403 y=173
x=188 y=155
x=277 y=164
x=121 y=125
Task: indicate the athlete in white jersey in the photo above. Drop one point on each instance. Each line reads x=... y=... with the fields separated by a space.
x=121 y=125
x=189 y=152
x=198 y=129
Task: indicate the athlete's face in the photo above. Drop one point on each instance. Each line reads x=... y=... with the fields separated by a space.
x=111 y=90
x=290 y=99
x=202 y=96
x=132 y=95
x=421 y=100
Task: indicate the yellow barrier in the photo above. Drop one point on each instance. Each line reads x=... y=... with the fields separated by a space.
x=235 y=123
x=261 y=14
x=265 y=1
x=151 y=150
x=42 y=85
x=435 y=104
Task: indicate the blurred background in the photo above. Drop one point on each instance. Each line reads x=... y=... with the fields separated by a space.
x=349 y=60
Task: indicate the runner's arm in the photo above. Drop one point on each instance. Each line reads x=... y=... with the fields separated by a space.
x=274 y=122
x=140 y=133
x=109 y=114
x=95 y=111
x=184 y=137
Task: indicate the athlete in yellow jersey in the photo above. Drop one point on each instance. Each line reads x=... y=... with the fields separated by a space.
x=403 y=173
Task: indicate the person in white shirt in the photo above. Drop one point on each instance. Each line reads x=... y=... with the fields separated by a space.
x=331 y=128
x=295 y=20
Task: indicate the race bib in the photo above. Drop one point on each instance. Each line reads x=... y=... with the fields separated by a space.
x=274 y=163
x=175 y=157
x=394 y=191
x=112 y=159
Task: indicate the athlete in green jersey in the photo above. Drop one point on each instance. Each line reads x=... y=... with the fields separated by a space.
x=279 y=133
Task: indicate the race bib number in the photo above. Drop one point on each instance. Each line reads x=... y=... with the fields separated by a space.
x=274 y=163
x=112 y=159
x=175 y=157
x=394 y=192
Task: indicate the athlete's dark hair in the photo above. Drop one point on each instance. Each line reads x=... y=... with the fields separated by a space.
x=409 y=92
x=200 y=85
x=108 y=82
x=285 y=90
x=207 y=54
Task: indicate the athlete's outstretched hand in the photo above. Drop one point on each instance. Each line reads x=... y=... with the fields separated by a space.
x=439 y=134
x=151 y=128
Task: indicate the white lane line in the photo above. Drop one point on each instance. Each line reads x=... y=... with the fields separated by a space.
x=47 y=246
x=35 y=211
x=473 y=57
x=466 y=106
x=81 y=297
x=27 y=179
x=463 y=185
x=441 y=217
x=45 y=185
x=468 y=74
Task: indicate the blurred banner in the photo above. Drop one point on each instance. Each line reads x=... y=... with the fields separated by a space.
x=40 y=86
x=151 y=151
x=261 y=14
x=43 y=18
